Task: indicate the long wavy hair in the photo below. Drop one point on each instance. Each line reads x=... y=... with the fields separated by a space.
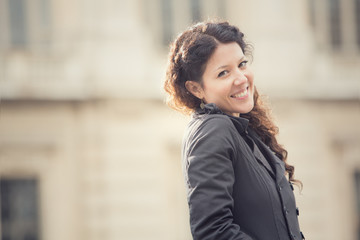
x=188 y=56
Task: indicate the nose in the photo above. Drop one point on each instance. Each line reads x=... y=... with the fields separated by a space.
x=240 y=77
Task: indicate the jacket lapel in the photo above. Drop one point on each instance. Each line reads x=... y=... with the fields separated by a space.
x=277 y=163
x=241 y=125
x=260 y=158
x=280 y=170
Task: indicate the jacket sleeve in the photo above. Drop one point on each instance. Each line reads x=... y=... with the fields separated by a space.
x=209 y=175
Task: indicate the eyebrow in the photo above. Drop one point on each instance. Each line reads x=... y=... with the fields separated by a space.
x=225 y=66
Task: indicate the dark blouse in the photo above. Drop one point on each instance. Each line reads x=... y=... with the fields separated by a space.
x=237 y=188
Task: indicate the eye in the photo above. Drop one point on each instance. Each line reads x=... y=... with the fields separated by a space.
x=243 y=64
x=223 y=73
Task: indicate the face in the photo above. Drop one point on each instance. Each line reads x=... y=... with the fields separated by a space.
x=228 y=81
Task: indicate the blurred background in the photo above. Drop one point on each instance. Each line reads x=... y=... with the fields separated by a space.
x=89 y=150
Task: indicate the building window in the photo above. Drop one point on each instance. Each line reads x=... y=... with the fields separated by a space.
x=44 y=21
x=195 y=10
x=335 y=23
x=19 y=209
x=221 y=6
x=172 y=22
x=26 y=24
x=201 y=10
x=357 y=24
x=17 y=20
x=357 y=191
x=312 y=12
x=167 y=21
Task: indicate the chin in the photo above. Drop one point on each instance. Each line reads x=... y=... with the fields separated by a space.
x=246 y=109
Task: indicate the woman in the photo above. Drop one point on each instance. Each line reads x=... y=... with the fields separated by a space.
x=239 y=184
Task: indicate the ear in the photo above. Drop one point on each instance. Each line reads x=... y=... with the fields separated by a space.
x=195 y=89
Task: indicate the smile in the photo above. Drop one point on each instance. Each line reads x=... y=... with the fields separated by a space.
x=241 y=94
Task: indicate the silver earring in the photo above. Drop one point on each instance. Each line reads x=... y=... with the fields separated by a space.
x=202 y=105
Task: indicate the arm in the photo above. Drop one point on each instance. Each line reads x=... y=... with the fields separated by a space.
x=210 y=177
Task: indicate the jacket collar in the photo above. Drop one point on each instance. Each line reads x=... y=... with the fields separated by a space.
x=241 y=124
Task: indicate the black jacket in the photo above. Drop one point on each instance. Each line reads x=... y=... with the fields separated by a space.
x=237 y=188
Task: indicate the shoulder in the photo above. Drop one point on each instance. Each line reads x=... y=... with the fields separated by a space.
x=218 y=124
x=214 y=131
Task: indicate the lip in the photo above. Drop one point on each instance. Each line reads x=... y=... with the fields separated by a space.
x=240 y=91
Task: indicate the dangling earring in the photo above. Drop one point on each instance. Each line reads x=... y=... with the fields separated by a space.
x=202 y=105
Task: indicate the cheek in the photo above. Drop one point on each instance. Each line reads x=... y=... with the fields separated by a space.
x=251 y=76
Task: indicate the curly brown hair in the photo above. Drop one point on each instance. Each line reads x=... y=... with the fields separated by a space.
x=188 y=57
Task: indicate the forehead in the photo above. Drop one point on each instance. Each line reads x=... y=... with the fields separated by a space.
x=225 y=53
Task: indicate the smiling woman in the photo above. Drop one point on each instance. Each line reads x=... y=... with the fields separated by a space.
x=238 y=180
x=227 y=81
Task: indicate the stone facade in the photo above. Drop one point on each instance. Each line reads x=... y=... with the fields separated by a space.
x=82 y=110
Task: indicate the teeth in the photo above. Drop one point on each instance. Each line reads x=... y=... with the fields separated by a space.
x=242 y=94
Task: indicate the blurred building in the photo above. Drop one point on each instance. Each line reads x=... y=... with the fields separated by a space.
x=88 y=149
